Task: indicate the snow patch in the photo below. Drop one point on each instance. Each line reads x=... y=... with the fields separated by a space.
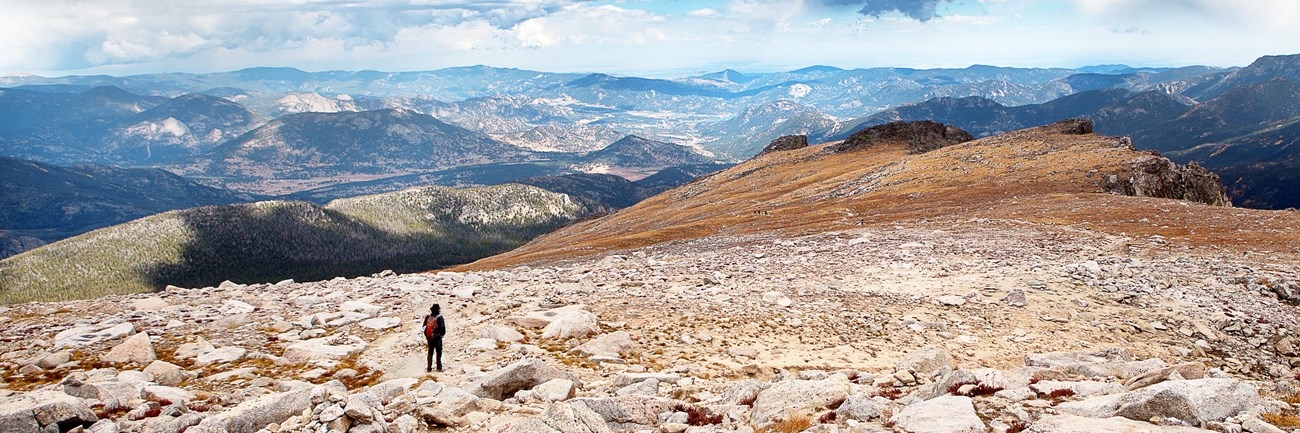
x=800 y=90
x=169 y=127
x=314 y=103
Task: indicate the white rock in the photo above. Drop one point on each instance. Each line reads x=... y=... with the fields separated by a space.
x=137 y=349
x=307 y=300
x=221 y=355
x=324 y=348
x=777 y=298
x=133 y=376
x=482 y=344
x=253 y=415
x=233 y=307
x=381 y=323
x=539 y=319
x=525 y=374
x=1078 y=424
x=613 y=344
x=946 y=414
x=501 y=333
x=466 y=291
x=785 y=398
x=160 y=393
x=149 y=304
x=1081 y=389
x=858 y=407
x=572 y=324
x=928 y=361
x=53 y=360
x=951 y=300
x=361 y=407
x=84 y=335
x=344 y=318
x=647 y=387
x=1196 y=401
x=555 y=390
x=361 y=307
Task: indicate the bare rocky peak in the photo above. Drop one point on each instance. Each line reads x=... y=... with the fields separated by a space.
x=1156 y=176
x=920 y=137
x=1070 y=127
x=787 y=142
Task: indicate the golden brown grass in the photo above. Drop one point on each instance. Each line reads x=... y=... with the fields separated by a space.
x=1026 y=175
x=794 y=424
x=1281 y=420
x=1292 y=399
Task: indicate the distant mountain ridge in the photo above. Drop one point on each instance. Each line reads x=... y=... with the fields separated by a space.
x=552 y=118
x=635 y=151
x=409 y=230
x=49 y=203
x=308 y=146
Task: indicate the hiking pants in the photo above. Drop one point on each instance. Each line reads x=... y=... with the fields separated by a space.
x=435 y=343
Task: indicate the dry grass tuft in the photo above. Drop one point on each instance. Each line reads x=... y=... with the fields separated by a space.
x=794 y=424
x=1281 y=420
x=1061 y=393
x=889 y=393
x=696 y=416
x=1292 y=399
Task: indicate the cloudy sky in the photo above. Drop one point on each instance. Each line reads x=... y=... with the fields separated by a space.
x=646 y=37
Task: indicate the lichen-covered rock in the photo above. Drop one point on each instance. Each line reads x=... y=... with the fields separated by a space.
x=858 y=407
x=613 y=344
x=136 y=348
x=1078 y=424
x=796 y=397
x=324 y=348
x=1189 y=370
x=629 y=409
x=947 y=414
x=40 y=411
x=576 y=324
x=526 y=374
x=928 y=361
x=254 y=415
x=1194 y=401
x=1113 y=362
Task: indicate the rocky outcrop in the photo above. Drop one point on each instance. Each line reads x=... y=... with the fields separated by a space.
x=1197 y=402
x=786 y=142
x=920 y=137
x=252 y=416
x=789 y=399
x=1070 y=127
x=1153 y=175
x=521 y=375
x=948 y=414
x=43 y=411
x=1078 y=424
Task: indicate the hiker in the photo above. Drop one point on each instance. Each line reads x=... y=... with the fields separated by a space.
x=434 y=329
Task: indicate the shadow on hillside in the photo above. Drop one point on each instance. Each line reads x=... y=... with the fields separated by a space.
x=248 y=244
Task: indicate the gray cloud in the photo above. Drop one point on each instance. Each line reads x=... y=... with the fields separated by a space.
x=920 y=10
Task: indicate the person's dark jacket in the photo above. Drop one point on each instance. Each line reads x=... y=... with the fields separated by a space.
x=442 y=326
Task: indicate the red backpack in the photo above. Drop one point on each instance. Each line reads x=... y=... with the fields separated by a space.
x=430 y=326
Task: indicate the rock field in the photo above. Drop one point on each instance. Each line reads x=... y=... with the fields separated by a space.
x=949 y=325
